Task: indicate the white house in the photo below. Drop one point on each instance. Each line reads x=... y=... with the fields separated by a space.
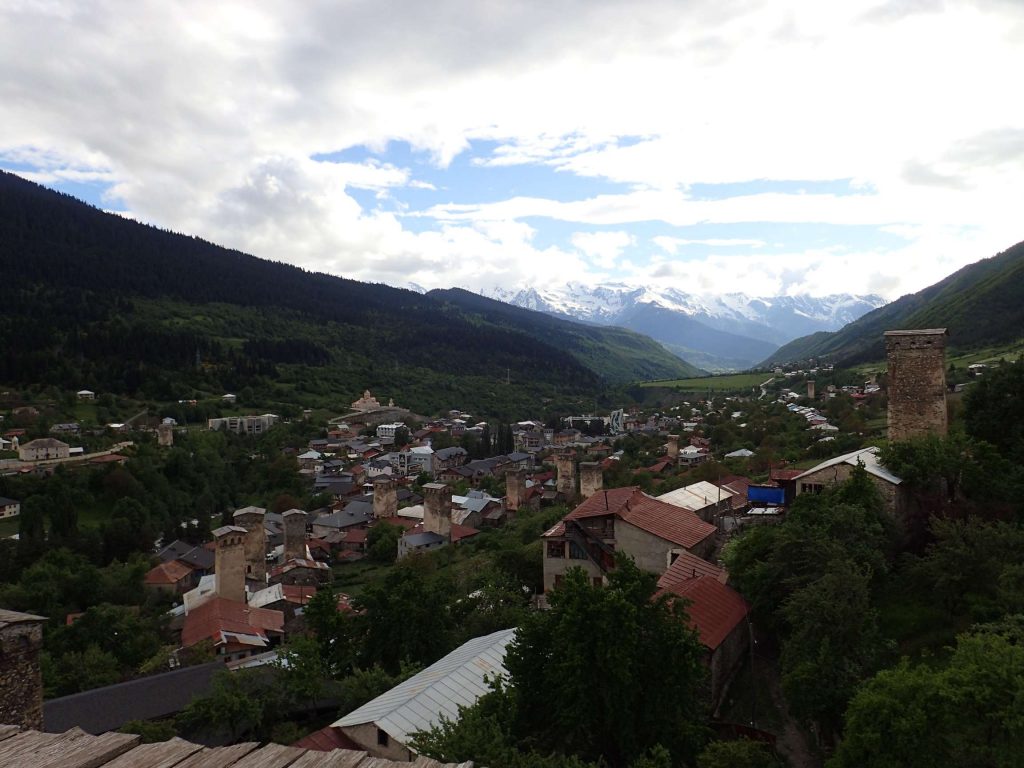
x=9 y=507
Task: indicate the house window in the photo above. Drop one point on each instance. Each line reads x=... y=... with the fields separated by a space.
x=556 y=549
x=576 y=552
x=382 y=738
x=811 y=487
x=598 y=581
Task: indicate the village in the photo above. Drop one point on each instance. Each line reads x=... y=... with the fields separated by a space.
x=656 y=486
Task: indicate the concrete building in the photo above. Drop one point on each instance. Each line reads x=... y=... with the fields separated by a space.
x=21 y=679
x=230 y=562
x=917 y=383
x=565 y=483
x=591 y=478
x=9 y=507
x=627 y=520
x=244 y=425
x=385 y=497
x=385 y=725
x=252 y=520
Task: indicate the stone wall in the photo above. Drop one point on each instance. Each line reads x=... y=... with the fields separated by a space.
x=21 y=682
x=917 y=382
x=437 y=509
x=591 y=478
x=385 y=497
x=515 y=489
x=251 y=518
x=294 y=535
x=566 y=482
x=229 y=562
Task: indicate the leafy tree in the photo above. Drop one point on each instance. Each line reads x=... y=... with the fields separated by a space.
x=966 y=713
x=365 y=684
x=994 y=410
x=79 y=670
x=235 y=704
x=150 y=731
x=742 y=753
x=382 y=542
x=335 y=633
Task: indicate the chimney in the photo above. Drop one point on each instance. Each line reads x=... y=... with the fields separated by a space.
x=810 y=389
x=515 y=489
x=566 y=481
x=21 y=679
x=917 y=383
x=251 y=519
x=294 y=535
x=229 y=565
x=437 y=509
x=385 y=497
x=673 y=446
x=591 y=479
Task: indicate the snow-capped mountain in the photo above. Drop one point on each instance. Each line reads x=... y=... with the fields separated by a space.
x=717 y=332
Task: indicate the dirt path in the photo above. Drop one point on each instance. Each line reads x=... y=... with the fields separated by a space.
x=791 y=743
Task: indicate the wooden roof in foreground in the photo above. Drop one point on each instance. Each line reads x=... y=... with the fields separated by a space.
x=77 y=749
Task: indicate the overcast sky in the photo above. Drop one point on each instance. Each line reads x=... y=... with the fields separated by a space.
x=762 y=146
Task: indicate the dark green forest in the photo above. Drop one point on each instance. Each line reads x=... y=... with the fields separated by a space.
x=96 y=301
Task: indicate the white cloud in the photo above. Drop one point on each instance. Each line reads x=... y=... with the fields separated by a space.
x=203 y=117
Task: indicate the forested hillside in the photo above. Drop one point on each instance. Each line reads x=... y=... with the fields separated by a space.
x=94 y=300
x=981 y=304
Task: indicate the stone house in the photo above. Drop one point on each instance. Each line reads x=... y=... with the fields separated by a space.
x=625 y=520
x=838 y=470
x=43 y=449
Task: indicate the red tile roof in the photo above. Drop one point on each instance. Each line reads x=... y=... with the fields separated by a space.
x=167 y=573
x=327 y=739
x=688 y=566
x=460 y=532
x=218 y=615
x=296 y=593
x=785 y=474
x=355 y=536
x=404 y=522
x=666 y=521
x=714 y=608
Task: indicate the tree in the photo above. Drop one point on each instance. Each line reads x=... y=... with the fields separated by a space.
x=382 y=542
x=966 y=713
x=235 y=704
x=994 y=410
x=742 y=753
x=606 y=673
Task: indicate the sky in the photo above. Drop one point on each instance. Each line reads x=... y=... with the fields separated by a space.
x=714 y=146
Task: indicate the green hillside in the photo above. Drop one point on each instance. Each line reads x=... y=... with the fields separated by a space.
x=981 y=305
x=92 y=300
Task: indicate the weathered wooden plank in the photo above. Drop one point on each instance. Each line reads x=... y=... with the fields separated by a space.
x=271 y=756
x=336 y=758
x=164 y=754
x=381 y=762
x=219 y=757
x=6 y=731
x=23 y=743
x=88 y=751
x=38 y=749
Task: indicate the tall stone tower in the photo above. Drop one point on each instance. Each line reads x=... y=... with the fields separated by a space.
x=251 y=518
x=515 y=489
x=385 y=497
x=21 y=680
x=917 y=382
x=810 y=389
x=294 y=535
x=165 y=435
x=565 y=484
x=673 y=446
x=591 y=478
x=229 y=562
x=437 y=509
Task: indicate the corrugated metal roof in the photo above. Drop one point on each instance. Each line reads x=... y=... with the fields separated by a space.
x=418 y=703
x=866 y=456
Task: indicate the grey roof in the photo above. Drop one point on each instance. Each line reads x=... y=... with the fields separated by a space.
x=199 y=558
x=418 y=703
x=108 y=708
x=447 y=453
x=344 y=519
x=866 y=456
x=4 y=501
x=16 y=617
x=423 y=539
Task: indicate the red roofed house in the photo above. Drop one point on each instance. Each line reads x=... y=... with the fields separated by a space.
x=626 y=520
x=719 y=615
x=173 y=577
x=237 y=630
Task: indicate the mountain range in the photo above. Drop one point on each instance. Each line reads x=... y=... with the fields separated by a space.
x=717 y=333
x=981 y=304
x=97 y=301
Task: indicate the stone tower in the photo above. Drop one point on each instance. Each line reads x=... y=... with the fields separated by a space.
x=565 y=484
x=591 y=478
x=917 y=382
x=165 y=435
x=251 y=518
x=385 y=497
x=437 y=509
x=673 y=446
x=229 y=562
x=294 y=535
x=810 y=389
x=515 y=489
x=21 y=680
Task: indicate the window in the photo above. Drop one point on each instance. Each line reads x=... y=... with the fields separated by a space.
x=382 y=738
x=556 y=549
x=811 y=487
x=598 y=581
x=576 y=552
